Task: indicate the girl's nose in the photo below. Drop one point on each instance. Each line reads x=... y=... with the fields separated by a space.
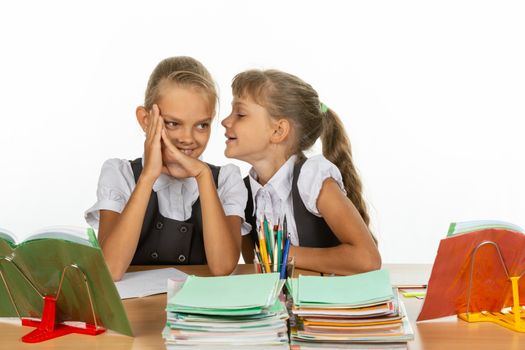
x=226 y=122
x=185 y=136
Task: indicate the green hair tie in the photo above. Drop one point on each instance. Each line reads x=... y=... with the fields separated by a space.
x=323 y=108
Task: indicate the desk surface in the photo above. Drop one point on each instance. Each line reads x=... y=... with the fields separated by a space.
x=147 y=317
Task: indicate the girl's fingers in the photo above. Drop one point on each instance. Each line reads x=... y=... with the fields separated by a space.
x=167 y=142
x=172 y=154
x=149 y=128
x=159 y=126
x=153 y=124
x=156 y=118
x=155 y=110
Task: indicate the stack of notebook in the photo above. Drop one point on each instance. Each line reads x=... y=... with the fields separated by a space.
x=358 y=309
x=222 y=311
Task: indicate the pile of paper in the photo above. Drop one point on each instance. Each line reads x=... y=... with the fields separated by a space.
x=363 y=308
x=224 y=311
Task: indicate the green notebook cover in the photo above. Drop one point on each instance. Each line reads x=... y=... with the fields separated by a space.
x=42 y=258
x=356 y=290
x=227 y=293
x=457 y=228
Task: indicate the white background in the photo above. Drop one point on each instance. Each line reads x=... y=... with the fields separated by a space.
x=432 y=96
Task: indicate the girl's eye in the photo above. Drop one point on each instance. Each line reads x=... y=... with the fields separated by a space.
x=170 y=125
x=241 y=115
x=203 y=126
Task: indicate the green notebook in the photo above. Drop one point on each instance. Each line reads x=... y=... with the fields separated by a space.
x=232 y=295
x=457 y=228
x=41 y=257
x=218 y=315
x=351 y=291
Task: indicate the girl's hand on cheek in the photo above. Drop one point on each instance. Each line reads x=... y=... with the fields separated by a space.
x=153 y=145
x=176 y=163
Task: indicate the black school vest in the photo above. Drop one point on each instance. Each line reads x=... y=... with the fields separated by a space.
x=312 y=230
x=165 y=241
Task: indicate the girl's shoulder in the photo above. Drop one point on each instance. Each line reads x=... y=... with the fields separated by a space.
x=231 y=190
x=318 y=165
x=228 y=169
x=314 y=172
x=116 y=172
x=229 y=175
x=116 y=165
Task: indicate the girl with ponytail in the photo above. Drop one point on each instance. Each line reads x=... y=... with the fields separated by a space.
x=275 y=117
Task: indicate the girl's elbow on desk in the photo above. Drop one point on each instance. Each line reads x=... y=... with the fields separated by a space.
x=372 y=262
x=224 y=268
x=220 y=271
x=116 y=270
x=116 y=274
x=364 y=261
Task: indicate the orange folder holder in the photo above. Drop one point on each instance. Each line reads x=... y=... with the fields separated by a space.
x=47 y=328
x=514 y=318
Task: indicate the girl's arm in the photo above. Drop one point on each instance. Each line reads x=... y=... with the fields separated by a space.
x=247 y=249
x=222 y=234
x=357 y=252
x=119 y=234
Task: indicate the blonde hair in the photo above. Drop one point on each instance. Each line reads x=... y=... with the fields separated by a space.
x=183 y=71
x=287 y=96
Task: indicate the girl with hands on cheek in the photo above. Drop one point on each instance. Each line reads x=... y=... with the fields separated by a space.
x=169 y=207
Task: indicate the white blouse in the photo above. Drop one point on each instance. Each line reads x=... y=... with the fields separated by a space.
x=274 y=200
x=175 y=196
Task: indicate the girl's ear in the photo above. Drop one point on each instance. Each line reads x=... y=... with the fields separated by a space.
x=281 y=130
x=142 y=117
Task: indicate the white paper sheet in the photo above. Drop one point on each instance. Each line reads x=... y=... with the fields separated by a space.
x=143 y=283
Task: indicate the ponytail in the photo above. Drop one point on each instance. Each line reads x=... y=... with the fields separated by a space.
x=337 y=149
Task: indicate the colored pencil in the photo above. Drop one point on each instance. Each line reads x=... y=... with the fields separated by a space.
x=264 y=254
x=285 y=258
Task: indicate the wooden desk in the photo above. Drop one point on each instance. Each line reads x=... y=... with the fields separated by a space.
x=147 y=317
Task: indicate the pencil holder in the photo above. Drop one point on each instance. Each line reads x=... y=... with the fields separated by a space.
x=263 y=268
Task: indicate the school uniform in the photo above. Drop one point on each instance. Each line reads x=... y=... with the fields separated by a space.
x=172 y=229
x=293 y=191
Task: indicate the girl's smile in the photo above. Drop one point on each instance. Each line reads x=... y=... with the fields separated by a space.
x=229 y=138
x=186 y=118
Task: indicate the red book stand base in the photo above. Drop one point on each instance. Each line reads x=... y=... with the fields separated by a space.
x=47 y=328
